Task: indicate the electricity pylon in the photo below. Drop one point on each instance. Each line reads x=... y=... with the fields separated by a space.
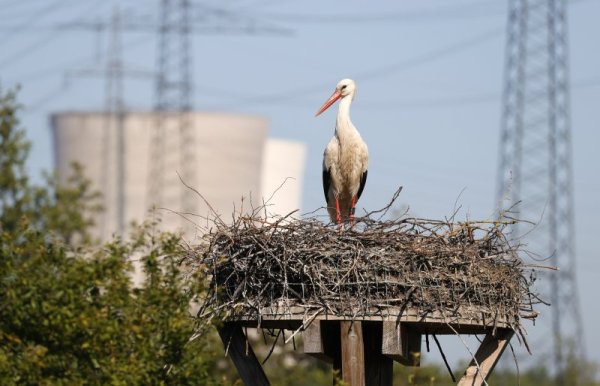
x=173 y=102
x=172 y=146
x=535 y=171
x=174 y=93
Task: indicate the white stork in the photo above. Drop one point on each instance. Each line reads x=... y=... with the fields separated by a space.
x=345 y=159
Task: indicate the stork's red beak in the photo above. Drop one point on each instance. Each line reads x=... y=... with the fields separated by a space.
x=334 y=97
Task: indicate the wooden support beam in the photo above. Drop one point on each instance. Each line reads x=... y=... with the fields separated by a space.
x=332 y=343
x=353 y=355
x=322 y=341
x=379 y=369
x=401 y=343
x=242 y=355
x=487 y=356
x=313 y=341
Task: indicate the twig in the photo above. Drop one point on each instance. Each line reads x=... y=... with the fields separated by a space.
x=444 y=358
x=272 y=347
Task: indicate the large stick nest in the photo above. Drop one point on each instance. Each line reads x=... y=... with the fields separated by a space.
x=456 y=269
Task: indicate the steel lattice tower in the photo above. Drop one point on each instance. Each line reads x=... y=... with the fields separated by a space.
x=173 y=103
x=535 y=170
x=174 y=91
x=171 y=136
x=115 y=110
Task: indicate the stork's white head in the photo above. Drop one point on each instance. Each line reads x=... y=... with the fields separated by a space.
x=345 y=88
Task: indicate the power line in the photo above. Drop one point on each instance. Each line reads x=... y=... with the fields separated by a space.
x=367 y=75
x=28 y=50
x=461 y=100
x=461 y=11
x=40 y=14
x=51 y=96
x=259 y=3
x=486 y=97
x=424 y=103
x=39 y=74
x=11 y=3
x=431 y=55
x=206 y=20
x=474 y=9
x=38 y=104
x=13 y=17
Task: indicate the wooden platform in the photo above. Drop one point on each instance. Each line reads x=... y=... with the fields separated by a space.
x=363 y=348
x=470 y=321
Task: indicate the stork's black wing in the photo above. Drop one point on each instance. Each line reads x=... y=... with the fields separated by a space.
x=363 y=181
x=326 y=183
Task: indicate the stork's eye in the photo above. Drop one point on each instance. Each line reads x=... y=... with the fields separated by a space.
x=344 y=86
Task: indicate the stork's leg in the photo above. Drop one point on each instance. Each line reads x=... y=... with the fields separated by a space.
x=338 y=212
x=352 y=209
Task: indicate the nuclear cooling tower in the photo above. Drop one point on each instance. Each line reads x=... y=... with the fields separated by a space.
x=227 y=163
x=282 y=176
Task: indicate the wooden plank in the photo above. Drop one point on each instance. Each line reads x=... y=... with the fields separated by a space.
x=412 y=347
x=472 y=321
x=353 y=356
x=401 y=343
x=379 y=369
x=437 y=328
x=322 y=341
x=487 y=356
x=242 y=355
x=332 y=343
x=391 y=343
x=313 y=341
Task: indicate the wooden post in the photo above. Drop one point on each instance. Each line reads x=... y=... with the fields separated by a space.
x=379 y=369
x=322 y=341
x=332 y=343
x=487 y=356
x=242 y=355
x=313 y=341
x=353 y=355
x=401 y=344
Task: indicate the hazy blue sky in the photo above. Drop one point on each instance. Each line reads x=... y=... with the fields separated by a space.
x=429 y=77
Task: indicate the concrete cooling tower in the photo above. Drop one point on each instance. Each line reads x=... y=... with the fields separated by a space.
x=232 y=158
x=282 y=176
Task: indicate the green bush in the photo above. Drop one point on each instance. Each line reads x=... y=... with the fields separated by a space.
x=69 y=313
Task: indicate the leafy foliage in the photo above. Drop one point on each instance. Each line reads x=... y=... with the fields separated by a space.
x=15 y=195
x=77 y=320
x=63 y=211
x=70 y=314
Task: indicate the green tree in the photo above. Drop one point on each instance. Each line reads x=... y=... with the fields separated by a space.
x=69 y=314
x=62 y=211
x=15 y=195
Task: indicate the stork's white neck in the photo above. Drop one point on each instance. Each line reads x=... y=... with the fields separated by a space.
x=344 y=127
